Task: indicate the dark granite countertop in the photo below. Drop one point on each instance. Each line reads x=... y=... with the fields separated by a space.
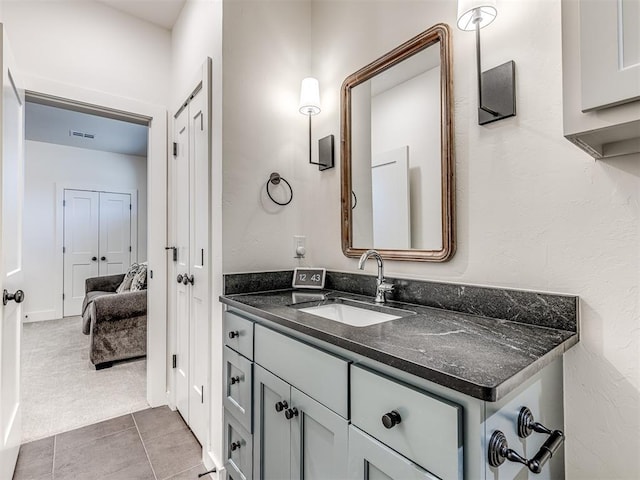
x=480 y=356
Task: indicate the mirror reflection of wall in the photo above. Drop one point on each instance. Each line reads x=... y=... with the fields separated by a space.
x=396 y=156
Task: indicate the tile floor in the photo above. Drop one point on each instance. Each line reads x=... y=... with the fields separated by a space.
x=152 y=444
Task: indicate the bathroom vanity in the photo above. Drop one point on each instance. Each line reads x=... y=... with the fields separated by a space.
x=420 y=396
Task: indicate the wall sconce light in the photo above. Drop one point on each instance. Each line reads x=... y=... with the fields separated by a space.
x=310 y=106
x=496 y=87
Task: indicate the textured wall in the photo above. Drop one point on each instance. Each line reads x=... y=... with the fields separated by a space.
x=534 y=211
x=90 y=45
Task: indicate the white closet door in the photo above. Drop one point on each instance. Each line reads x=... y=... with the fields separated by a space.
x=181 y=209
x=81 y=220
x=200 y=290
x=11 y=277
x=115 y=233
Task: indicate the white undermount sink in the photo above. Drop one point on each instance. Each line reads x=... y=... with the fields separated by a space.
x=353 y=315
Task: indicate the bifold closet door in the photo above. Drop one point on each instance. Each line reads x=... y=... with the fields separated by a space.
x=81 y=224
x=97 y=241
x=115 y=233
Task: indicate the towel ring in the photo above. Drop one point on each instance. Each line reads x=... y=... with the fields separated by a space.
x=275 y=178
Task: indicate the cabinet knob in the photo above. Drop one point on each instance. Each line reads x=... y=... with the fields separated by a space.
x=280 y=406
x=391 y=419
x=234 y=334
x=291 y=412
x=235 y=446
x=235 y=380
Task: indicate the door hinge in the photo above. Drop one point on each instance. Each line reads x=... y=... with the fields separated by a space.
x=63 y=296
x=174 y=361
x=129 y=206
x=64 y=203
x=202 y=394
x=129 y=248
x=64 y=249
x=175 y=149
x=202 y=257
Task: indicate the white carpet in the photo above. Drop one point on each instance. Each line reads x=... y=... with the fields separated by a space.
x=61 y=390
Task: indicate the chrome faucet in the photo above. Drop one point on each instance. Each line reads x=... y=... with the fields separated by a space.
x=381 y=286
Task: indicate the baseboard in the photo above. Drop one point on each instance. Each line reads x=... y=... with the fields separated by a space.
x=210 y=462
x=40 y=316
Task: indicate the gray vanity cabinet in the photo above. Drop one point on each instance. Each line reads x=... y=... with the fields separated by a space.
x=371 y=460
x=298 y=391
x=296 y=437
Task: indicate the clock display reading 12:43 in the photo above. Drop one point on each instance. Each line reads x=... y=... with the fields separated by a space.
x=309 y=277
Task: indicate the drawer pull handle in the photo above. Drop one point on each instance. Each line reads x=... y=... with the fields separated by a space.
x=291 y=412
x=235 y=380
x=391 y=419
x=280 y=406
x=234 y=334
x=235 y=446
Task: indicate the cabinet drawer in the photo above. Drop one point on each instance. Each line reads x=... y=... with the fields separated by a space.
x=370 y=459
x=320 y=375
x=238 y=387
x=430 y=429
x=238 y=447
x=238 y=334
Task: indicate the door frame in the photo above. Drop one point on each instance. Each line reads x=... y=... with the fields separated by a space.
x=59 y=235
x=155 y=116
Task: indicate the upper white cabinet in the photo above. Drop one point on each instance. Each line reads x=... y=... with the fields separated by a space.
x=601 y=75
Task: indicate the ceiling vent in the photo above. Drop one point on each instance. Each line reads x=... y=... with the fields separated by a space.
x=75 y=133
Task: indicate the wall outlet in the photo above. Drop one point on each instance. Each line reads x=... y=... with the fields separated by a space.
x=299 y=246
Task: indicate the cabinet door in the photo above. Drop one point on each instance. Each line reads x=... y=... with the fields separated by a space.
x=272 y=438
x=371 y=460
x=319 y=440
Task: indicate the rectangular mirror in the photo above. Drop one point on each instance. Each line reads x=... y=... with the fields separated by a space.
x=397 y=153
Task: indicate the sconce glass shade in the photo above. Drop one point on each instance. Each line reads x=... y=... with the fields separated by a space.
x=310 y=97
x=471 y=12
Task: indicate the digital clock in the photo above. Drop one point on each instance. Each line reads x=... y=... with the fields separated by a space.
x=309 y=277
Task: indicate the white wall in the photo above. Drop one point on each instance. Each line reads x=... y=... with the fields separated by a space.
x=90 y=45
x=49 y=166
x=266 y=56
x=533 y=211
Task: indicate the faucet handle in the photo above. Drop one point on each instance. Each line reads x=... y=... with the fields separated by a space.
x=385 y=287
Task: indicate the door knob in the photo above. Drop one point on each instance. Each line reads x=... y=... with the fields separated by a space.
x=18 y=297
x=185 y=279
x=190 y=279
x=93 y=259
x=103 y=258
x=235 y=380
x=391 y=419
x=235 y=446
x=179 y=278
x=234 y=334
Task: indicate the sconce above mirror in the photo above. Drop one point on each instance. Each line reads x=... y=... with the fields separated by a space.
x=397 y=153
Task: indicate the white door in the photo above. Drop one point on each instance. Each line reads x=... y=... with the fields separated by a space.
x=191 y=232
x=80 y=249
x=115 y=233
x=181 y=229
x=97 y=240
x=11 y=199
x=200 y=270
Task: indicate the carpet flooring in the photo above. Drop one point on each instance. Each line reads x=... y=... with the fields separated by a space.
x=61 y=390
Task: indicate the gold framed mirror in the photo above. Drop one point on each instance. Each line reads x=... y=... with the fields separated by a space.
x=397 y=153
